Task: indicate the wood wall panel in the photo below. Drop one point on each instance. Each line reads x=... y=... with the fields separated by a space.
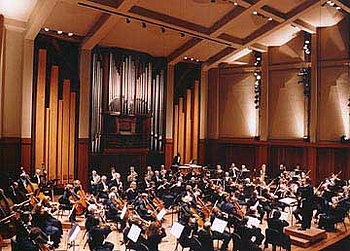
x=26 y=153
x=286 y=105
x=334 y=112
x=83 y=161
x=59 y=140
x=237 y=113
x=40 y=110
x=181 y=129
x=10 y=159
x=238 y=154
x=65 y=131
x=195 y=130
x=188 y=134
x=72 y=122
x=168 y=152
x=52 y=164
x=291 y=52
x=47 y=136
x=176 y=130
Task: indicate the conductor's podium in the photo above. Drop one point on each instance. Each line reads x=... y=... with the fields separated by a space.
x=305 y=238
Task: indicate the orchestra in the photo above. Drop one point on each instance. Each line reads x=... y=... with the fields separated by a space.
x=198 y=199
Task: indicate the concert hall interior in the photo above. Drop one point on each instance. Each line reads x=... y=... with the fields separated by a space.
x=174 y=124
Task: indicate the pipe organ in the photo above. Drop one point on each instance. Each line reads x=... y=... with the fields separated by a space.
x=54 y=121
x=134 y=114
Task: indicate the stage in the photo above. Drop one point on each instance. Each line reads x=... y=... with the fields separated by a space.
x=169 y=242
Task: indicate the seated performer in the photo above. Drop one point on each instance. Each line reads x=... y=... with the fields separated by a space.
x=335 y=212
x=16 y=194
x=278 y=225
x=97 y=234
x=141 y=208
x=102 y=189
x=215 y=235
x=48 y=224
x=187 y=238
x=154 y=235
x=246 y=233
x=140 y=244
x=205 y=237
x=149 y=175
x=114 y=209
x=131 y=192
x=28 y=238
x=132 y=176
x=66 y=203
x=95 y=180
x=37 y=177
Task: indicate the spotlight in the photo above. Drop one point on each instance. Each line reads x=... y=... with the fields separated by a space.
x=59 y=32
x=182 y=34
x=258 y=77
x=338 y=8
x=270 y=19
x=331 y=4
x=144 y=25
x=197 y=60
x=235 y=3
x=258 y=59
x=163 y=30
x=192 y=59
x=70 y=34
x=46 y=29
x=307 y=42
x=185 y=58
x=128 y=21
x=255 y=12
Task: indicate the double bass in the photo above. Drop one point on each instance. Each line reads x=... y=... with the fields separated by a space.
x=7 y=221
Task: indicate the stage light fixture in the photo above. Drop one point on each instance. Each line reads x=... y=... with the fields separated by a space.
x=255 y=13
x=128 y=21
x=235 y=3
x=338 y=8
x=144 y=25
x=270 y=18
x=70 y=34
x=59 y=32
x=344 y=139
x=46 y=29
x=185 y=58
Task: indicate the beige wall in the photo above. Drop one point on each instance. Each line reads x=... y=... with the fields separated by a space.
x=12 y=83
x=237 y=113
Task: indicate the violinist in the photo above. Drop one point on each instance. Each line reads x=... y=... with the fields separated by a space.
x=114 y=209
x=140 y=244
x=205 y=237
x=219 y=173
x=97 y=234
x=116 y=182
x=335 y=212
x=28 y=237
x=225 y=236
x=48 y=224
x=131 y=192
x=187 y=237
x=16 y=194
x=154 y=235
x=95 y=179
x=262 y=207
x=102 y=189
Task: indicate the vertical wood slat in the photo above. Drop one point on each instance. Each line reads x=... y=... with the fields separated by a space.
x=52 y=164
x=65 y=132
x=176 y=129
x=59 y=142
x=47 y=136
x=195 y=121
x=2 y=57
x=40 y=110
x=181 y=129
x=72 y=135
x=188 y=137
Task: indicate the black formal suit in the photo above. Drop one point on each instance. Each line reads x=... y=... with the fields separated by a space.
x=153 y=241
x=307 y=205
x=278 y=225
x=96 y=239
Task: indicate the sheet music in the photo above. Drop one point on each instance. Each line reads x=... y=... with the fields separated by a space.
x=161 y=214
x=288 y=201
x=219 y=225
x=134 y=233
x=74 y=232
x=176 y=230
x=284 y=216
x=253 y=222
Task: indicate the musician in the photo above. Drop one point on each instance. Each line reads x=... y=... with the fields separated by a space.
x=157 y=178
x=246 y=233
x=335 y=212
x=23 y=182
x=48 y=224
x=278 y=225
x=219 y=173
x=140 y=244
x=307 y=193
x=205 y=237
x=102 y=189
x=131 y=192
x=148 y=175
x=154 y=234
x=66 y=203
x=15 y=194
x=234 y=171
x=95 y=179
x=28 y=238
x=262 y=207
x=97 y=234
x=141 y=207
x=187 y=238
x=132 y=175
x=37 y=177
x=116 y=182
x=225 y=236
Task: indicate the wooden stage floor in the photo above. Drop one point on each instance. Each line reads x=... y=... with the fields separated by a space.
x=169 y=242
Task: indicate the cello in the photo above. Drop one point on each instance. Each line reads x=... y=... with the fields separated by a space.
x=7 y=222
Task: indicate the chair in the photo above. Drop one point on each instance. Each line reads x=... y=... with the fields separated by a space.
x=183 y=247
x=236 y=241
x=341 y=220
x=273 y=237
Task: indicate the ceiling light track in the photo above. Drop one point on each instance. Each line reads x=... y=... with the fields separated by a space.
x=182 y=32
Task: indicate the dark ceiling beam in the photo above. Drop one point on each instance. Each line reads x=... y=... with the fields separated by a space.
x=111 y=3
x=183 y=48
x=235 y=12
x=223 y=53
x=231 y=38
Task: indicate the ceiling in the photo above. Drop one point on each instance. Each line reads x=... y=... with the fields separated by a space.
x=200 y=29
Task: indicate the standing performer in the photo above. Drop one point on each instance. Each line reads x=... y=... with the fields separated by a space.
x=307 y=194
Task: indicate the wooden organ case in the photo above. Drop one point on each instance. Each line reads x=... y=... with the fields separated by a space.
x=127 y=110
